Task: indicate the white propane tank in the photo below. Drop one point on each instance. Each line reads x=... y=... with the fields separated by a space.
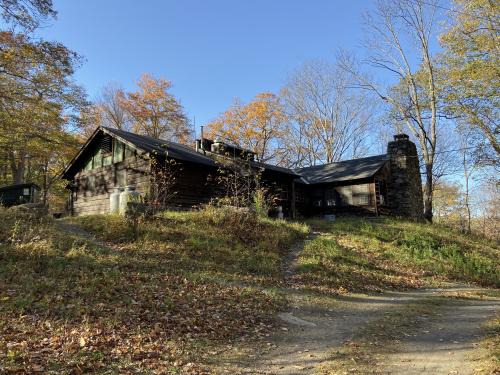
x=114 y=201
x=127 y=195
x=280 y=212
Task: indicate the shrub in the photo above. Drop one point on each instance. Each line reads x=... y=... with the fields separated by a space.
x=241 y=222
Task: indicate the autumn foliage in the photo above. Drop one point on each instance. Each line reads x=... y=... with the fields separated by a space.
x=154 y=111
x=258 y=126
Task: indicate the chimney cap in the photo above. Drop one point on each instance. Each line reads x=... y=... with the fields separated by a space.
x=401 y=137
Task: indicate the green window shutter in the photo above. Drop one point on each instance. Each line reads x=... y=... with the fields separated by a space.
x=98 y=159
x=117 y=151
x=129 y=152
x=88 y=165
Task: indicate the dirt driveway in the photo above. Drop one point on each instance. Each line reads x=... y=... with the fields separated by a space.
x=426 y=331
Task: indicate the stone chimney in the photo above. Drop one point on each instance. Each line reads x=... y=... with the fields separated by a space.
x=405 y=185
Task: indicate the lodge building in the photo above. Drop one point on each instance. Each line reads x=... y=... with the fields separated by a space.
x=383 y=184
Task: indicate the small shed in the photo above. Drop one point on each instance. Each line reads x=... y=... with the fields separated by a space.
x=12 y=195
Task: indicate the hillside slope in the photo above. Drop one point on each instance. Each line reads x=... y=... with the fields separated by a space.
x=189 y=282
x=187 y=290
x=374 y=254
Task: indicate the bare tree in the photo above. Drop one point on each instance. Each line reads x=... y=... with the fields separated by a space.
x=329 y=119
x=27 y=14
x=112 y=112
x=239 y=180
x=399 y=34
x=489 y=209
x=163 y=182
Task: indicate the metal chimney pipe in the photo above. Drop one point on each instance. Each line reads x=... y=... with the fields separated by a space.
x=201 y=136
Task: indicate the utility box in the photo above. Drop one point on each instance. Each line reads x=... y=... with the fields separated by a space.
x=13 y=195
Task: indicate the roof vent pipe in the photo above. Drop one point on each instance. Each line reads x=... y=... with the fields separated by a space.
x=202 y=147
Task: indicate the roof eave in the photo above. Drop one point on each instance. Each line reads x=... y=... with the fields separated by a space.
x=64 y=173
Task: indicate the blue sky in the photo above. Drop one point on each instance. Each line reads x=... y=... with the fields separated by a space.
x=212 y=51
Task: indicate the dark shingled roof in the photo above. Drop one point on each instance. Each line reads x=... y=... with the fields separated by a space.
x=178 y=151
x=162 y=147
x=342 y=171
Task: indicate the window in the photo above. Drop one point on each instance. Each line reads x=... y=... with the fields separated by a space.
x=117 y=151
x=109 y=151
x=317 y=203
x=283 y=192
x=299 y=196
x=107 y=159
x=331 y=198
x=26 y=191
x=361 y=194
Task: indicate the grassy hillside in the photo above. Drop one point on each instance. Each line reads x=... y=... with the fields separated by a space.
x=155 y=304
x=354 y=254
x=173 y=295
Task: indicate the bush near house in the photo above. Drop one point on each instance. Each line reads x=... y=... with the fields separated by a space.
x=154 y=305
x=356 y=254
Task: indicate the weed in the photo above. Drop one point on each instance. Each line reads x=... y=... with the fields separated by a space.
x=360 y=254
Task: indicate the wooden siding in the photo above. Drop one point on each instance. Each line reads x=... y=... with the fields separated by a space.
x=92 y=188
x=195 y=185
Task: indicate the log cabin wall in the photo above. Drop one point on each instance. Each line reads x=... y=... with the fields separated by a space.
x=92 y=188
x=282 y=188
x=195 y=185
x=114 y=158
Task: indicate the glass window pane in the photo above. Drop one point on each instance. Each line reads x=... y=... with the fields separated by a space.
x=361 y=194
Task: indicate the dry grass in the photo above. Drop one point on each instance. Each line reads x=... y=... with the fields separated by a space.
x=490 y=361
x=161 y=304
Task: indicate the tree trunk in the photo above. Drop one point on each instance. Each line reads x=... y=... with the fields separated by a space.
x=467 y=203
x=45 y=187
x=428 y=193
x=17 y=167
